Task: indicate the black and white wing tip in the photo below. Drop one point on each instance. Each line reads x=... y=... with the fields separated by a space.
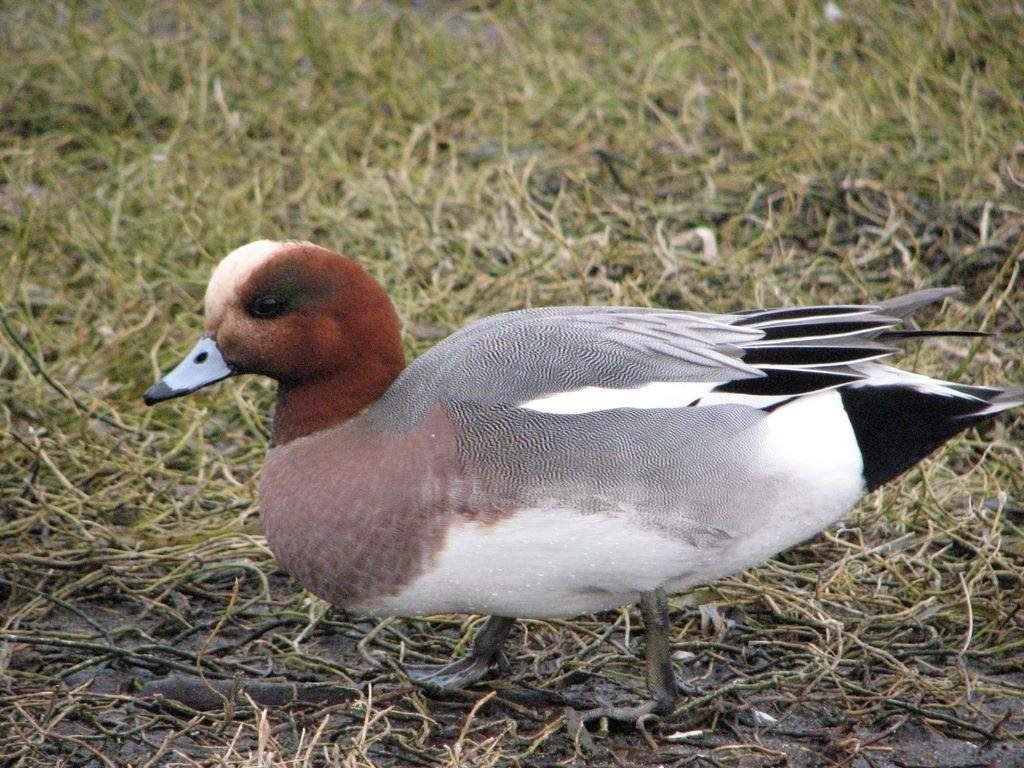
x=803 y=350
x=898 y=417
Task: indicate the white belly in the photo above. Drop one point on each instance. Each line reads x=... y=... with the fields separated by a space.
x=538 y=563
x=803 y=474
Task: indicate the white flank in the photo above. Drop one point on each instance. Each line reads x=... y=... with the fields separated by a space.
x=811 y=441
x=540 y=563
x=657 y=394
x=804 y=473
x=232 y=272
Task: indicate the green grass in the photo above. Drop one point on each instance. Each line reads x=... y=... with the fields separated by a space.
x=478 y=159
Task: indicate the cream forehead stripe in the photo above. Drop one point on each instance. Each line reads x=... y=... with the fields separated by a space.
x=234 y=269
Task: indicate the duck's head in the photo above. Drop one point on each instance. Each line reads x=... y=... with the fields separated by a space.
x=308 y=317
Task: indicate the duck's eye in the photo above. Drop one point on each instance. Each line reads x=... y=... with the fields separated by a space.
x=268 y=306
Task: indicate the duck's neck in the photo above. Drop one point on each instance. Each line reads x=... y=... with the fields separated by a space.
x=308 y=407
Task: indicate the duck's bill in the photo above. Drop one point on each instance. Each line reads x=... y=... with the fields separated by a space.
x=203 y=366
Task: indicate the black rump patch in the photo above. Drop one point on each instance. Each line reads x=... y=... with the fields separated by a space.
x=897 y=426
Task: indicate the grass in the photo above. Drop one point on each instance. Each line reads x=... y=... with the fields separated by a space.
x=480 y=158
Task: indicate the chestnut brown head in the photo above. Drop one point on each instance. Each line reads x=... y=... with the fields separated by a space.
x=298 y=313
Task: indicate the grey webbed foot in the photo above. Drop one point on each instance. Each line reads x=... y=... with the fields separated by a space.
x=631 y=715
x=661 y=682
x=457 y=674
x=472 y=667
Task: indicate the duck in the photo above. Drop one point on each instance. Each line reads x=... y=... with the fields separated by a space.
x=557 y=461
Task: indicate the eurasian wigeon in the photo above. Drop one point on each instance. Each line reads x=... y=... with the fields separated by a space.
x=558 y=461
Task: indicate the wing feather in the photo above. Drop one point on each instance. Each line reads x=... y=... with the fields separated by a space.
x=521 y=356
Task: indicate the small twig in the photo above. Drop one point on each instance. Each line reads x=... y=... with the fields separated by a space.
x=970 y=617
x=127 y=654
x=608 y=160
x=457 y=749
x=927 y=713
x=63 y=604
x=750 y=684
x=204 y=694
x=374 y=662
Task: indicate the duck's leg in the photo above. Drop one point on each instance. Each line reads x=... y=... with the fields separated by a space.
x=471 y=667
x=661 y=680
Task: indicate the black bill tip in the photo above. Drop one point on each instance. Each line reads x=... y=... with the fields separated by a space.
x=160 y=392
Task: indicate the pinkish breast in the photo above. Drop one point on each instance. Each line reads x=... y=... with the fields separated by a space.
x=354 y=514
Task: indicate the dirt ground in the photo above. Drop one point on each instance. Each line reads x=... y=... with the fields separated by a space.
x=754 y=694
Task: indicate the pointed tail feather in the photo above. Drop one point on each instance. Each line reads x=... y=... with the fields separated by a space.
x=1011 y=397
x=915 y=334
x=908 y=304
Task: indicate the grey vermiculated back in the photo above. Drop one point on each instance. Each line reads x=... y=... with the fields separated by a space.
x=515 y=356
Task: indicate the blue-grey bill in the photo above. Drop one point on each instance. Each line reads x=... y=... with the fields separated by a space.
x=203 y=366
